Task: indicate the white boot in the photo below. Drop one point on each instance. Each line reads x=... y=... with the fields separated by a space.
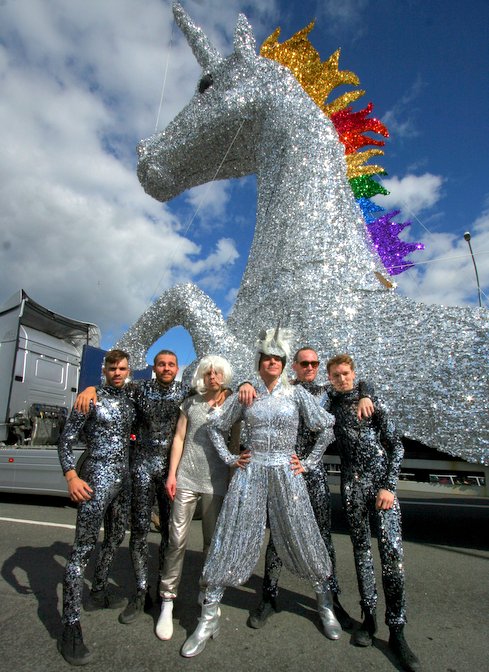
x=332 y=629
x=164 y=627
x=208 y=627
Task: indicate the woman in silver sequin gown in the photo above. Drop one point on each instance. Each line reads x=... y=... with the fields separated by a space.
x=267 y=482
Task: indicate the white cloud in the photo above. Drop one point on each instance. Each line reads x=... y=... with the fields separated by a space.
x=411 y=194
x=445 y=271
x=209 y=201
x=401 y=118
x=81 y=84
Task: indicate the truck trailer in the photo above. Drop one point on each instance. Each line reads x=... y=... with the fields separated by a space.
x=43 y=358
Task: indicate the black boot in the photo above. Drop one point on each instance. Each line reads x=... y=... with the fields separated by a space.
x=341 y=614
x=72 y=647
x=399 y=646
x=137 y=605
x=104 y=599
x=260 y=615
x=364 y=636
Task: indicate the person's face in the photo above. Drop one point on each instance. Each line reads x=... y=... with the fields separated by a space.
x=270 y=367
x=213 y=380
x=165 y=368
x=116 y=374
x=342 y=377
x=306 y=367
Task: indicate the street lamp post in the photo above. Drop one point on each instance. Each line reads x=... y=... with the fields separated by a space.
x=467 y=237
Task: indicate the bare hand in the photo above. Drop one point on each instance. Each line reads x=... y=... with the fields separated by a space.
x=246 y=394
x=243 y=459
x=365 y=408
x=296 y=465
x=79 y=490
x=384 y=501
x=82 y=402
x=171 y=486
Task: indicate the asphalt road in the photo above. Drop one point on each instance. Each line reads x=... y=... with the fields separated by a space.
x=447 y=562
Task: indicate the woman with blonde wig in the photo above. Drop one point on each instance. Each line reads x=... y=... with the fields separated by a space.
x=196 y=471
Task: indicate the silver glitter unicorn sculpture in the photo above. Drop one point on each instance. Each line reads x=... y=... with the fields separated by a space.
x=311 y=264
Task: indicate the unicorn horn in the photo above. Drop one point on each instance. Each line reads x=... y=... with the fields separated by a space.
x=206 y=54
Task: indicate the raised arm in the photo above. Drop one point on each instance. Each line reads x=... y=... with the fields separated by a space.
x=365 y=408
x=318 y=420
x=84 y=398
x=219 y=424
x=176 y=455
x=391 y=443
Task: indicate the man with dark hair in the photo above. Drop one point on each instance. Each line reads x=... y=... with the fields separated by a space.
x=157 y=403
x=371 y=454
x=306 y=365
x=102 y=492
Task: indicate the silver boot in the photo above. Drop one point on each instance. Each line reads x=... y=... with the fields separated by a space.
x=332 y=628
x=208 y=627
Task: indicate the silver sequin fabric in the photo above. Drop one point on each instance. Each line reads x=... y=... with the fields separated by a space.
x=157 y=411
x=200 y=469
x=107 y=429
x=268 y=485
x=311 y=263
x=371 y=455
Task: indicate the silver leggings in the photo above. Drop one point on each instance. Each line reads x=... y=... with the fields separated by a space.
x=183 y=509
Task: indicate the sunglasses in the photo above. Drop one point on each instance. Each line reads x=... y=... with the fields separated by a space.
x=305 y=364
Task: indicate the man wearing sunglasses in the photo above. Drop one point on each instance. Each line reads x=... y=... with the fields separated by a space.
x=305 y=366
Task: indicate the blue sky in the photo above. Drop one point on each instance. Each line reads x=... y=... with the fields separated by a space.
x=82 y=83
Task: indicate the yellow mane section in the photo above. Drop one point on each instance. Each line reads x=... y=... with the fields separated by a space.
x=318 y=79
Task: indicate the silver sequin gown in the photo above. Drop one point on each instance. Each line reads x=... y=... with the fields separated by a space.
x=268 y=485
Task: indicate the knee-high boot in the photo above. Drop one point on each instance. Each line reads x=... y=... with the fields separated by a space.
x=208 y=627
x=331 y=627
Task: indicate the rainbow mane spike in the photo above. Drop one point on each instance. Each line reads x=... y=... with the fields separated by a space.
x=319 y=79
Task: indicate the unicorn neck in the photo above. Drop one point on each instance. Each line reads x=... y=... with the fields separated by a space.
x=307 y=217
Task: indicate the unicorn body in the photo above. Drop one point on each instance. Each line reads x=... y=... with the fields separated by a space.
x=311 y=263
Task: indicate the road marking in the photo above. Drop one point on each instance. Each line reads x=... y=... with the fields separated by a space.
x=465 y=506
x=40 y=522
x=37 y=522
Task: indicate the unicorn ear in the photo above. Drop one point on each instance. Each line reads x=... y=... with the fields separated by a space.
x=244 y=40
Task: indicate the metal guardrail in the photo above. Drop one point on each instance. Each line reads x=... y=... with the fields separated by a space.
x=438 y=467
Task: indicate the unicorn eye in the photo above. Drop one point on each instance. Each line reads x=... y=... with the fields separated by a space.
x=205 y=83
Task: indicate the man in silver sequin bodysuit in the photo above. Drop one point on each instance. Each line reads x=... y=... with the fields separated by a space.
x=267 y=482
x=371 y=454
x=157 y=409
x=157 y=403
x=102 y=491
x=306 y=366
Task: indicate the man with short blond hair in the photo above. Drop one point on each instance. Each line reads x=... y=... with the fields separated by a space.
x=371 y=455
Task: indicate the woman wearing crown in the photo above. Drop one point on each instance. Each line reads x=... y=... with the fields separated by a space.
x=267 y=482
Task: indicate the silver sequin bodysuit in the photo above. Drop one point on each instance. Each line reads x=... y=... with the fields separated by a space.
x=107 y=428
x=268 y=485
x=319 y=494
x=371 y=454
x=157 y=411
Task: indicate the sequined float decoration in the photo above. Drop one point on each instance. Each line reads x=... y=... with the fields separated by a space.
x=311 y=264
x=319 y=79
